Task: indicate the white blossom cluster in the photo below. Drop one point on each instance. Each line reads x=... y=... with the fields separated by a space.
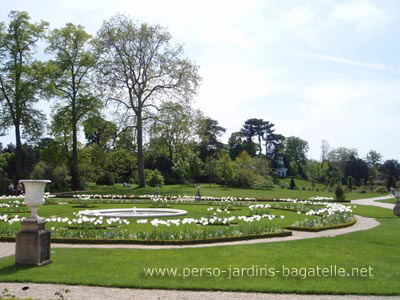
x=320 y=198
x=5 y=197
x=331 y=209
x=14 y=219
x=14 y=203
x=207 y=221
x=256 y=206
x=84 y=220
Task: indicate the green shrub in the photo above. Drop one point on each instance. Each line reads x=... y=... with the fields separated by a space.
x=244 y=179
x=339 y=193
x=292 y=184
x=362 y=191
x=283 y=185
x=263 y=182
x=380 y=189
x=105 y=178
x=154 y=177
x=60 y=178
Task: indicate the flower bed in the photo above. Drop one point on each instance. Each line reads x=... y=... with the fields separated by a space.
x=217 y=222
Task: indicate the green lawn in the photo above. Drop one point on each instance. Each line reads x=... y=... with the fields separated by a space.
x=377 y=249
x=392 y=201
x=221 y=191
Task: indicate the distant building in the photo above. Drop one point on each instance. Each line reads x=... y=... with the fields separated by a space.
x=281 y=171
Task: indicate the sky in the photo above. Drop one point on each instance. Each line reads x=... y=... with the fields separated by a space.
x=319 y=70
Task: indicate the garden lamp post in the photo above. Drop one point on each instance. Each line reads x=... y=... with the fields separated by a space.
x=396 y=209
x=33 y=241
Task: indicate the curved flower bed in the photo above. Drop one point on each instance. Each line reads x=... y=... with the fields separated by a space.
x=250 y=221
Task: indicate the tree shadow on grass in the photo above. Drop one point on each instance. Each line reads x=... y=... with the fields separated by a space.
x=12 y=269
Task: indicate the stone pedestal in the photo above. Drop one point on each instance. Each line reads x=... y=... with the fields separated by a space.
x=198 y=195
x=396 y=209
x=33 y=244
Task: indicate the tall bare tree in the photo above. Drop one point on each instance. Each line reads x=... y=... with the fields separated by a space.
x=142 y=69
x=21 y=80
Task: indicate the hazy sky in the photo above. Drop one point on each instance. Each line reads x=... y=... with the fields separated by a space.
x=316 y=69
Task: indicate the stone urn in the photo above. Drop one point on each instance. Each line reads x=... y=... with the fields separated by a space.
x=34 y=195
x=396 y=209
x=32 y=245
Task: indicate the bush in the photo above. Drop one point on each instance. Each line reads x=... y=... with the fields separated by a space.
x=339 y=193
x=244 y=179
x=362 y=191
x=60 y=178
x=263 y=183
x=154 y=177
x=380 y=189
x=292 y=184
x=105 y=178
x=283 y=185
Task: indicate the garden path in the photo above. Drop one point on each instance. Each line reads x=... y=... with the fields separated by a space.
x=374 y=202
x=46 y=291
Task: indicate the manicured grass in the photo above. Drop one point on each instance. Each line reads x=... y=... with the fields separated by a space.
x=392 y=201
x=377 y=248
x=220 y=191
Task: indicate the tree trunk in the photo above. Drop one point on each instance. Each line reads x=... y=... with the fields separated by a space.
x=140 y=158
x=75 y=180
x=18 y=155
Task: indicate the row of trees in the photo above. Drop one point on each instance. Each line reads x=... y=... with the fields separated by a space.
x=133 y=65
x=133 y=73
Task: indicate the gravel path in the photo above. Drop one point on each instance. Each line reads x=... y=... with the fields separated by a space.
x=373 y=202
x=46 y=291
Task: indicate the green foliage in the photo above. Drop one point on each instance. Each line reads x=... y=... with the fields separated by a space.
x=60 y=178
x=147 y=50
x=121 y=163
x=370 y=183
x=21 y=81
x=154 y=177
x=105 y=178
x=244 y=173
x=99 y=131
x=209 y=131
x=390 y=183
x=41 y=171
x=188 y=167
x=225 y=169
x=380 y=189
x=339 y=193
x=349 y=183
x=263 y=182
x=292 y=184
x=295 y=152
x=210 y=169
x=70 y=75
x=237 y=143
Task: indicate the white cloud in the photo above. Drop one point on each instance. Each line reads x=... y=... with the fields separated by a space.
x=364 y=15
x=356 y=63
